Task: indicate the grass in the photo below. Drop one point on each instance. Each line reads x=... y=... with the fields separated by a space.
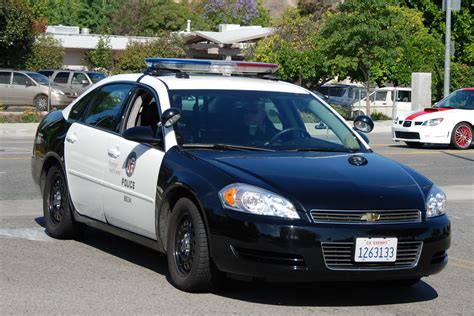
x=28 y=116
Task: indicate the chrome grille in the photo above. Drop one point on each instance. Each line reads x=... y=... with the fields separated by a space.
x=339 y=256
x=356 y=217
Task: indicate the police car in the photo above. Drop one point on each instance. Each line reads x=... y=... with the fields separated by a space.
x=228 y=171
x=450 y=121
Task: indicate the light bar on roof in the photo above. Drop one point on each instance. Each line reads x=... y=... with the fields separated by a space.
x=211 y=66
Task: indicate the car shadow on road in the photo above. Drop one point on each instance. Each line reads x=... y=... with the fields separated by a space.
x=122 y=248
x=289 y=294
x=327 y=294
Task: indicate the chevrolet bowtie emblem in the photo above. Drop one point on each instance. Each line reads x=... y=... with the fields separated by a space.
x=370 y=217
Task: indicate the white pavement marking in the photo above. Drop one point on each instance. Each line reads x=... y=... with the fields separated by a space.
x=459 y=192
x=36 y=234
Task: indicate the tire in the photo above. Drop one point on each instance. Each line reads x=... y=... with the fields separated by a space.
x=190 y=266
x=414 y=144
x=461 y=137
x=56 y=207
x=41 y=102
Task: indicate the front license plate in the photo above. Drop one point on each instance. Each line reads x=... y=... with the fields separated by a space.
x=376 y=250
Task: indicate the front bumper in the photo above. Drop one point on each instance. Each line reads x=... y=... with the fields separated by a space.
x=421 y=134
x=279 y=250
x=61 y=101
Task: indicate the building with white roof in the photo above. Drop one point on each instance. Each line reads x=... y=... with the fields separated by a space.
x=77 y=42
x=227 y=44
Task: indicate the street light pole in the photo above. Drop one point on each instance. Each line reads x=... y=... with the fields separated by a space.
x=447 y=49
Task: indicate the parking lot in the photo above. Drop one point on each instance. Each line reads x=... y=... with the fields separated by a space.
x=104 y=274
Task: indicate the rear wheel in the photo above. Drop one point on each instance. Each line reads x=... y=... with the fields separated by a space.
x=414 y=144
x=461 y=137
x=189 y=261
x=41 y=103
x=56 y=208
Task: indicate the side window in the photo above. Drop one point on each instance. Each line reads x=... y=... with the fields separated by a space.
x=61 y=77
x=21 y=79
x=404 y=96
x=381 y=96
x=5 y=77
x=80 y=106
x=78 y=77
x=106 y=108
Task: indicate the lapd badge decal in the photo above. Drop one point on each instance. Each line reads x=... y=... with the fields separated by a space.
x=131 y=162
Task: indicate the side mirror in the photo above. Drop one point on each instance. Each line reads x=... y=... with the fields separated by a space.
x=363 y=123
x=29 y=83
x=170 y=117
x=84 y=82
x=142 y=134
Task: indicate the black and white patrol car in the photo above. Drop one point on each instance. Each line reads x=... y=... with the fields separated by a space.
x=234 y=173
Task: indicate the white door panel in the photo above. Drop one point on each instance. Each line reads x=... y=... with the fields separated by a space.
x=130 y=187
x=85 y=155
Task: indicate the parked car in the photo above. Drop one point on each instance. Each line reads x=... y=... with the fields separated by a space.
x=18 y=87
x=342 y=94
x=390 y=101
x=223 y=174
x=77 y=80
x=450 y=121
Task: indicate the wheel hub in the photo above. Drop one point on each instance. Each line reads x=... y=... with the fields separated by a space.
x=463 y=136
x=184 y=242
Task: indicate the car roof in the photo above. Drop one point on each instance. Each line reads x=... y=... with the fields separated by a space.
x=207 y=82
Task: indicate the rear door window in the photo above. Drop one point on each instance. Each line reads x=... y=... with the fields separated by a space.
x=5 y=77
x=61 y=77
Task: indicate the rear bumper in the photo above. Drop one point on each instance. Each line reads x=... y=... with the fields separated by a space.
x=294 y=253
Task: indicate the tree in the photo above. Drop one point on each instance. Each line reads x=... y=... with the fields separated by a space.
x=133 y=58
x=371 y=39
x=295 y=47
x=17 y=33
x=243 y=12
x=45 y=53
x=101 y=56
x=462 y=30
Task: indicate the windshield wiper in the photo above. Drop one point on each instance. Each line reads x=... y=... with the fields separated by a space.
x=226 y=147
x=326 y=150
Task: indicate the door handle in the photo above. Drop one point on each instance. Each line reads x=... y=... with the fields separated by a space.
x=71 y=138
x=113 y=152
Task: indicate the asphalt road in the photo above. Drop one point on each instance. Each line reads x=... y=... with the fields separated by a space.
x=104 y=274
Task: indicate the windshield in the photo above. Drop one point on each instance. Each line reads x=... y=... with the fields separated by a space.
x=461 y=99
x=259 y=119
x=39 y=78
x=96 y=76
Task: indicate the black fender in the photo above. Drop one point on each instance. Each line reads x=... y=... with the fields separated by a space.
x=177 y=179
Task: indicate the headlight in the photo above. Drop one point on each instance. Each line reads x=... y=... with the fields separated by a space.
x=250 y=199
x=436 y=202
x=57 y=91
x=432 y=122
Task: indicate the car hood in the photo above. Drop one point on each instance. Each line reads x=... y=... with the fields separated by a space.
x=326 y=180
x=430 y=113
x=66 y=90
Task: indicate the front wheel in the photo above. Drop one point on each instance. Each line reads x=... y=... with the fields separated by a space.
x=190 y=266
x=41 y=103
x=56 y=208
x=461 y=137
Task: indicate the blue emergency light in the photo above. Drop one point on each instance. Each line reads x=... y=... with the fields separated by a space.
x=226 y=68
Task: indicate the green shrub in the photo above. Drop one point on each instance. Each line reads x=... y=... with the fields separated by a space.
x=377 y=116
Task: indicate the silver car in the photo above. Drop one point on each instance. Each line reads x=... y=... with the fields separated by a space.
x=19 y=87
